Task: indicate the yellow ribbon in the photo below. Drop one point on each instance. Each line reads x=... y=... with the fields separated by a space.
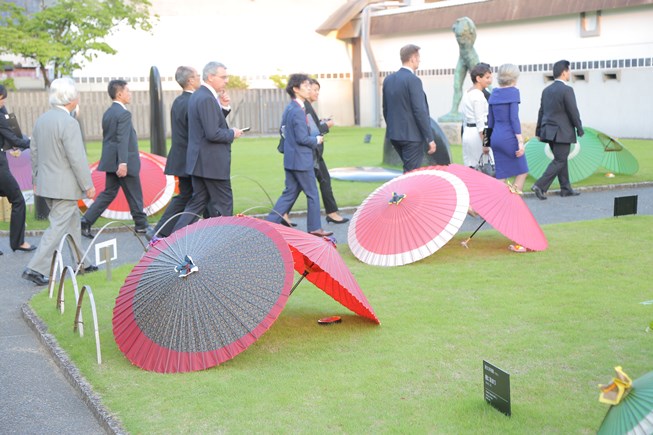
x=615 y=390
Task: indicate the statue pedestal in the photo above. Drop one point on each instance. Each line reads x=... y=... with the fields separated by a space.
x=452 y=131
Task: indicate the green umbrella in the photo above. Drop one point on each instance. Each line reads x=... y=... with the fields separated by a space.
x=633 y=414
x=584 y=158
x=616 y=158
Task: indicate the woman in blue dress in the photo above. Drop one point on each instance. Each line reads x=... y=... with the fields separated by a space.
x=506 y=140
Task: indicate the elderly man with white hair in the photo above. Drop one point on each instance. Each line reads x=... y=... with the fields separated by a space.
x=61 y=175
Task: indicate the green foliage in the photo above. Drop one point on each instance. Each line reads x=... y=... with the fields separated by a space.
x=280 y=81
x=68 y=33
x=237 y=82
x=557 y=320
x=8 y=83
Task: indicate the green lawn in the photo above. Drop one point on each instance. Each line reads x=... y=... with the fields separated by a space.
x=558 y=321
x=258 y=174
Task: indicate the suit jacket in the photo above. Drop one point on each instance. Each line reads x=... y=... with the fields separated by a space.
x=322 y=127
x=8 y=138
x=59 y=165
x=299 y=145
x=558 y=119
x=209 y=137
x=176 y=163
x=119 y=142
x=405 y=108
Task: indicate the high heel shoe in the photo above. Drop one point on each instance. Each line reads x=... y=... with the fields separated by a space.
x=28 y=249
x=333 y=221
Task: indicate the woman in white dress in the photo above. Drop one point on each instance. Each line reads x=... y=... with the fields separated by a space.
x=475 y=109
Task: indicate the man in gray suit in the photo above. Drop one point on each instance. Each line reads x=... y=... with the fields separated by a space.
x=208 y=158
x=61 y=175
x=558 y=121
x=406 y=111
x=120 y=161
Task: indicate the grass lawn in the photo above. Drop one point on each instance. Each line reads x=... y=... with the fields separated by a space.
x=258 y=175
x=558 y=321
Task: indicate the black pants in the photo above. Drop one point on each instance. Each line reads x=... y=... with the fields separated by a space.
x=177 y=205
x=215 y=196
x=411 y=153
x=131 y=187
x=557 y=168
x=326 y=192
x=9 y=188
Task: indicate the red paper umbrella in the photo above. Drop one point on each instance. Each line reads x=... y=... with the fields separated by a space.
x=408 y=218
x=318 y=260
x=500 y=207
x=158 y=188
x=21 y=168
x=203 y=295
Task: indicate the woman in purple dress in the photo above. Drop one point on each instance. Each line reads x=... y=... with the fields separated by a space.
x=506 y=140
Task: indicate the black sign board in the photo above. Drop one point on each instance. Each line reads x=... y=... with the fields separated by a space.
x=624 y=205
x=496 y=387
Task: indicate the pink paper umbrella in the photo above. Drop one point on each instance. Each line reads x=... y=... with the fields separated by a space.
x=408 y=218
x=158 y=188
x=203 y=295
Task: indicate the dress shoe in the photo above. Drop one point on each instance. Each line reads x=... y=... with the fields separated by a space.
x=334 y=221
x=144 y=230
x=538 y=192
x=89 y=269
x=1 y=253
x=30 y=248
x=321 y=233
x=86 y=228
x=149 y=233
x=35 y=277
x=564 y=193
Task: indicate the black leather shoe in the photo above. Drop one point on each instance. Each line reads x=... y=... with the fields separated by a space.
x=538 y=192
x=89 y=269
x=86 y=229
x=28 y=249
x=144 y=230
x=334 y=221
x=569 y=193
x=149 y=233
x=1 y=253
x=35 y=277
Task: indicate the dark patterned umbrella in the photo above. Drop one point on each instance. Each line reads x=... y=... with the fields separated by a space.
x=203 y=295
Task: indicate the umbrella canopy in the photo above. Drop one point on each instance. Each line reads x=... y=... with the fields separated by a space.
x=203 y=295
x=584 y=158
x=408 y=218
x=633 y=414
x=616 y=158
x=21 y=168
x=500 y=207
x=318 y=260
x=158 y=188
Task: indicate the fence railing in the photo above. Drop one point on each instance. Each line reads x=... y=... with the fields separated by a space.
x=259 y=109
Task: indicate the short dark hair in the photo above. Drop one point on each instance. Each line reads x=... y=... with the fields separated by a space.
x=559 y=67
x=116 y=86
x=3 y=92
x=407 y=51
x=295 y=81
x=314 y=82
x=479 y=70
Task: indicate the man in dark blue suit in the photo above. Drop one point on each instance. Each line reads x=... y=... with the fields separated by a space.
x=189 y=80
x=298 y=150
x=406 y=111
x=119 y=160
x=208 y=158
x=558 y=121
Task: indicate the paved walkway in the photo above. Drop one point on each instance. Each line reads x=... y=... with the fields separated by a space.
x=36 y=397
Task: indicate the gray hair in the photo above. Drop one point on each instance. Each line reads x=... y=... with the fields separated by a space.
x=183 y=74
x=63 y=91
x=508 y=74
x=211 y=68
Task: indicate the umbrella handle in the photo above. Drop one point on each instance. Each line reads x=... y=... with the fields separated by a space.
x=465 y=242
x=298 y=281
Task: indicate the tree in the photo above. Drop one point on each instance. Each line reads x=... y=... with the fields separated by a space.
x=68 y=33
x=237 y=82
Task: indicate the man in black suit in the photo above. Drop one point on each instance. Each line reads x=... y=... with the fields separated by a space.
x=189 y=80
x=406 y=111
x=558 y=122
x=208 y=159
x=120 y=161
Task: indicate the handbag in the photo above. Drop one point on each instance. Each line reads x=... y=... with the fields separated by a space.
x=487 y=132
x=486 y=166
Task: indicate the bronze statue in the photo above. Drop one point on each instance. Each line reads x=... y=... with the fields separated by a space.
x=465 y=31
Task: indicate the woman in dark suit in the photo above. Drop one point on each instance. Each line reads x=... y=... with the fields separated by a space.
x=8 y=185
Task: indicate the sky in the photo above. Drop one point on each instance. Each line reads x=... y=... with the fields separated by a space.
x=251 y=37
